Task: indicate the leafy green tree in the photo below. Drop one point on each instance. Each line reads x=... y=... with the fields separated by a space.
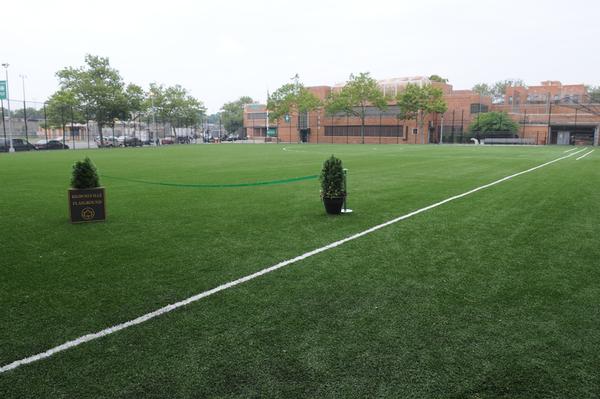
x=97 y=88
x=360 y=92
x=483 y=89
x=213 y=118
x=32 y=113
x=416 y=101
x=136 y=99
x=232 y=114
x=61 y=108
x=493 y=122
x=290 y=98
x=594 y=93
x=497 y=90
x=174 y=105
x=438 y=78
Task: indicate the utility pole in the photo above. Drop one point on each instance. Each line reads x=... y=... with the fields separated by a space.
x=24 y=107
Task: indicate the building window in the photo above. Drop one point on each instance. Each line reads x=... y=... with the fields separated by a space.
x=477 y=108
x=257 y=115
x=303 y=120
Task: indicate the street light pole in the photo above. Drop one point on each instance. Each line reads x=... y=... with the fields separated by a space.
x=154 y=121
x=11 y=149
x=24 y=107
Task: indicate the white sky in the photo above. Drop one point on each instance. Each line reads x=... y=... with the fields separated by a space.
x=221 y=50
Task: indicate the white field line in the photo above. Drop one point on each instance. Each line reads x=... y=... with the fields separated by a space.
x=585 y=155
x=170 y=308
x=290 y=150
x=572 y=149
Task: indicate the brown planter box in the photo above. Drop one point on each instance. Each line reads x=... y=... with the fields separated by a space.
x=87 y=205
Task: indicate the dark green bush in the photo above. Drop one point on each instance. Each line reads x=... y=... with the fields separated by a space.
x=332 y=178
x=85 y=175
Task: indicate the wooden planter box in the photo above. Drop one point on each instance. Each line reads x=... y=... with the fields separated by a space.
x=87 y=205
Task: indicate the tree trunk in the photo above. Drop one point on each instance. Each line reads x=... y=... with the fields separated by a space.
x=362 y=124
x=362 y=129
x=421 y=125
x=100 y=126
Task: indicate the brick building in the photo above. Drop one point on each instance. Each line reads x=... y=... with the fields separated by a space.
x=550 y=113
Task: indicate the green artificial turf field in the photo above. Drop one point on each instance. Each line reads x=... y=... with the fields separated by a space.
x=496 y=294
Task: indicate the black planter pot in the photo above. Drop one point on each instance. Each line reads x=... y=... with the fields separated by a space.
x=333 y=206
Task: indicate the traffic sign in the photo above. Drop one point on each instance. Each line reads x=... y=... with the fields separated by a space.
x=2 y=89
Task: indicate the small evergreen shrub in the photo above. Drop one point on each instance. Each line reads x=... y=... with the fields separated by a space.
x=85 y=175
x=332 y=178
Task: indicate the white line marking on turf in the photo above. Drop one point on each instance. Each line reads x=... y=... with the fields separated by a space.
x=170 y=308
x=572 y=149
x=585 y=155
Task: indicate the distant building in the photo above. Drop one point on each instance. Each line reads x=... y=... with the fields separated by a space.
x=548 y=114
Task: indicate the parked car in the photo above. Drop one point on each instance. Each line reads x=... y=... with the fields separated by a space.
x=51 y=145
x=167 y=140
x=183 y=140
x=18 y=145
x=107 y=141
x=233 y=137
x=128 y=141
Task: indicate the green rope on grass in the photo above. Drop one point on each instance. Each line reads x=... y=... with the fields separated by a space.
x=258 y=183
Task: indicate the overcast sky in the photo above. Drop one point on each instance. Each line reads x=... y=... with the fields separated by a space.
x=221 y=50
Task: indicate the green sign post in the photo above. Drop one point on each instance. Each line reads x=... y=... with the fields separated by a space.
x=272 y=132
x=2 y=89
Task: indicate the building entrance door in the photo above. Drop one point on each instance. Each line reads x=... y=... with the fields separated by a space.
x=563 y=138
x=304 y=135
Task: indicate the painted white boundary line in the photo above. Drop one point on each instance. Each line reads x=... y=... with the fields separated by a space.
x=169 y=308
x=572 y=149
x=585 y=155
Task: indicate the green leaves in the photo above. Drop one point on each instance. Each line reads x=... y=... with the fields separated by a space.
x=332 y=178
x=415 y=99
x=353 y=98
x=497 y=90
x=61 y=106
x=291 y=97
x=84 y=175
x=232 y=114
x=97 y=88
x=175 y=105
x=360 y=92
x=493 y=122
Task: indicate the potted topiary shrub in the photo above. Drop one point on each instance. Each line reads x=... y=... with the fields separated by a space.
x=86 y=197
x=333 y=191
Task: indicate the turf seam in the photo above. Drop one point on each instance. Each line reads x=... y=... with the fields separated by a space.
x=222 y=287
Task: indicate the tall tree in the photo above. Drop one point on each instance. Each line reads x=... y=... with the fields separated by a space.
x=137 y=103
x=290 y=98
x=174 y=105
x=61 y=108
x=98 y=89
x=355 y=97
x=483 y=89
x=493 y=122
x=497 y=90
x=232 y=114
x=415 y=102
